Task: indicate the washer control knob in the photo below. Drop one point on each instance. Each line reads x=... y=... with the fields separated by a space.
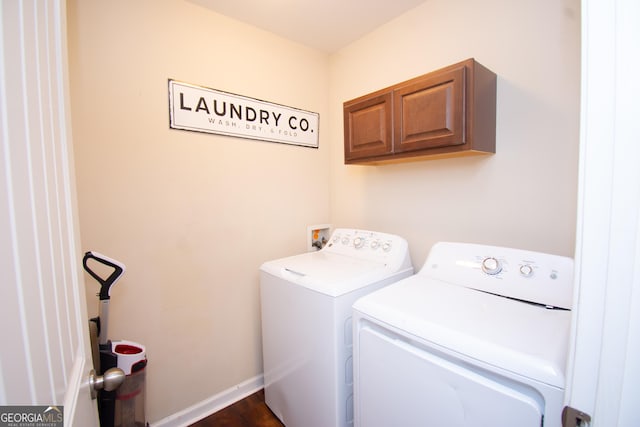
x=386 y=246
x=491 y=266
x=345 y=240
x=526 y=270
x=375 y=244
x=358 y=242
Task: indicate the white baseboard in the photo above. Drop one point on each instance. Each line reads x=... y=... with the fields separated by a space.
x=213 y=404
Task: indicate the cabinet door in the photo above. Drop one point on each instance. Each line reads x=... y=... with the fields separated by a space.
x=368 y=127
x=430 y=111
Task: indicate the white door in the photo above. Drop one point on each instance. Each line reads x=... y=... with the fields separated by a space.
x=604 y=379
x=401 y=384
x=45 y=355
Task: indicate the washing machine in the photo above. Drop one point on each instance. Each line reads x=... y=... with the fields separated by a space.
x=478 y=337
x=307 y=331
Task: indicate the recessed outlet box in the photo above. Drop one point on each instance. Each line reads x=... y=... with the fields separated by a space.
x=318 y=236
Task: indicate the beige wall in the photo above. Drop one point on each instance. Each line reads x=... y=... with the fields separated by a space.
x=525 y=195
x=193 y=215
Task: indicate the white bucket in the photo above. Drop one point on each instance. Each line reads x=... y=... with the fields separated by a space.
x=130 y=355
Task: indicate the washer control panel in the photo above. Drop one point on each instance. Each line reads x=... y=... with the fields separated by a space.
x=365 y=244
x=358 y=239
x=524 y=275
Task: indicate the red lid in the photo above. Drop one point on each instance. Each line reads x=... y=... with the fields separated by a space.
x=127 y=349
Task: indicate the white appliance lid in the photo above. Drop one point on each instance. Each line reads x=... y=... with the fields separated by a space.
x=329 y=273
x=527 y=339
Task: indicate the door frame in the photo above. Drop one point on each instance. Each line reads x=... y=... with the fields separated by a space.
x=604 y=361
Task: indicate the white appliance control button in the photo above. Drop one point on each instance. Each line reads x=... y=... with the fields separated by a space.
x=345 y=240
x=526 y=270
x=386 y=246
x=375 y=244
x=491 y=266
x=358 y=242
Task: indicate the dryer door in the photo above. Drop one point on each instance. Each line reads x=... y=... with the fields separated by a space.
x=398 y=384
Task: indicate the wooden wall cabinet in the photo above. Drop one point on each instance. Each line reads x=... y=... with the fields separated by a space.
x=446 y=113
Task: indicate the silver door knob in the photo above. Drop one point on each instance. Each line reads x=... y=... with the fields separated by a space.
x=110 y=381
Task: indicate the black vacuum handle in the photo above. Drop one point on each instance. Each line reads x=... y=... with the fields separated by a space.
x=105 y=284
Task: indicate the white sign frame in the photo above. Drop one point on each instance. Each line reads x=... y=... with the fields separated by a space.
x=201 y=109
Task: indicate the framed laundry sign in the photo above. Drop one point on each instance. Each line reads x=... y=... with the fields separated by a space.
x=201 y=109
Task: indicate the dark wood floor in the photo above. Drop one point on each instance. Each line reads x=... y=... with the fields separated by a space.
x=249 y=412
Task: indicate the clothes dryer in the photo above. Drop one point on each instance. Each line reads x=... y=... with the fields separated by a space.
x=307 y=330
x=478 y=337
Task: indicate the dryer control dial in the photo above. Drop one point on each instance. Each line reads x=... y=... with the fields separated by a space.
x=526 y=270
x=358 y=242
x=491 y=266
